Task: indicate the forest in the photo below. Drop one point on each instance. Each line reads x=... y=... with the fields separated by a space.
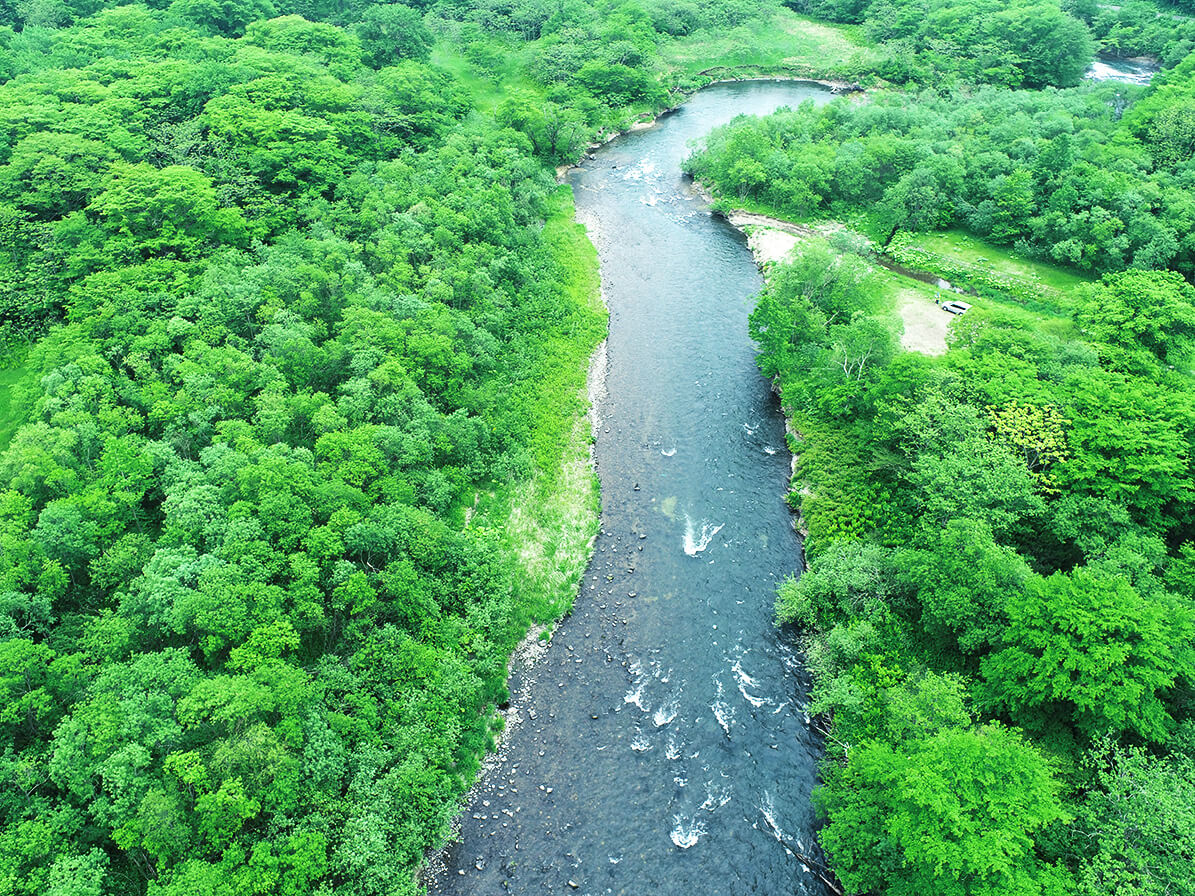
x=290 y=321
x=294 y=315
x=999 y=608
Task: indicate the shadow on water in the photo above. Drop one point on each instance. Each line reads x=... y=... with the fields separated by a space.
x=661 y=744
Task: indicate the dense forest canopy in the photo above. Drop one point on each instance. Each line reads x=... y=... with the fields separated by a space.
x=293 y=309
x=294 y=303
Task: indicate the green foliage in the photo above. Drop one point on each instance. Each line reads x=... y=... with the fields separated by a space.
x=1142 y=28
x=172 y=212
x=1010 y=519
x=963 y=581
x=1152 y=311
x=1023 y=44
x=1138 y=821
x=852 y=580
x=1054 y=174
x=1094 y=650
x=392 y=31
x=815 y=316
x=951 y=812
x=294 y=304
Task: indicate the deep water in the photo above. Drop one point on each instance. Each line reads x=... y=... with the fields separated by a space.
x=661 y=745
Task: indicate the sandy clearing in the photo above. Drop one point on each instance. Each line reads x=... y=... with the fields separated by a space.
x=771 y=240
x=770 y=246
x=926 y=324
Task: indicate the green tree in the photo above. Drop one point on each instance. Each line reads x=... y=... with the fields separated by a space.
x=1140 y=818
x=1154 y=310
x=962 y=580
x=391 y=31
x=50 y=174
x=1050 y=47
x=955 y=471
x=1093 y=649
x=954 y=813
x=229 y=17
x=167 y=212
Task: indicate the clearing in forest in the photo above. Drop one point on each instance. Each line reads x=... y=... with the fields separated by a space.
x=925 y=325
x=788 y=43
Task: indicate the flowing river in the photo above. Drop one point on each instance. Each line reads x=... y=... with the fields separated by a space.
x=661 y=744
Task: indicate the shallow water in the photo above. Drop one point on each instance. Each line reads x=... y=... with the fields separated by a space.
x=1124 y=70
x=662 y=743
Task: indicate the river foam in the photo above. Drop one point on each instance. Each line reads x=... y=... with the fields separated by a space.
x=697 y=540
x=686 y=832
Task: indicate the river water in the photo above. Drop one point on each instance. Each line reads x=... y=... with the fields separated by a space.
x=661 y=745
x=1128 y=71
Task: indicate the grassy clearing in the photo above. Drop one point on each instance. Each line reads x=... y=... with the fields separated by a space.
x=787 y=44
x=966 y=249
x=926 y=325
x=502 y=75
x=549 y=527
x=991 y=271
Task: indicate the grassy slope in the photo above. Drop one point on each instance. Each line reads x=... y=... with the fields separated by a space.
x=485 y=89
x=965 y=249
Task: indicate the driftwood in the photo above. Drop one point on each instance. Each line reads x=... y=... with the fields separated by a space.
x=824 y=876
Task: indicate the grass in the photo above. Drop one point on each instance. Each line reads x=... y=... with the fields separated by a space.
x=787 y=44
x=967 y=254
x=969 y=250
x=489 y=86
x=548 y=521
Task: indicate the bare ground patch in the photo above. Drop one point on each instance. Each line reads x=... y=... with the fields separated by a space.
x=925 y=323
x=772 y=240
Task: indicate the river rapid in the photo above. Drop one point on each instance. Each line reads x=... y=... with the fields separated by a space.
x=661 y=744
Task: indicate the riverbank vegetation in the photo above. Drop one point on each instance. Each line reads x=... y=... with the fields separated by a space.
x=1066 y=176
x=1000 y=603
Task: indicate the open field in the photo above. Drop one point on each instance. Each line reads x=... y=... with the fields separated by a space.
x=789 y=43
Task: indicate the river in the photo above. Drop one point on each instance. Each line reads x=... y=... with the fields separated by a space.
x=1128 y=71
x=662 y=743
